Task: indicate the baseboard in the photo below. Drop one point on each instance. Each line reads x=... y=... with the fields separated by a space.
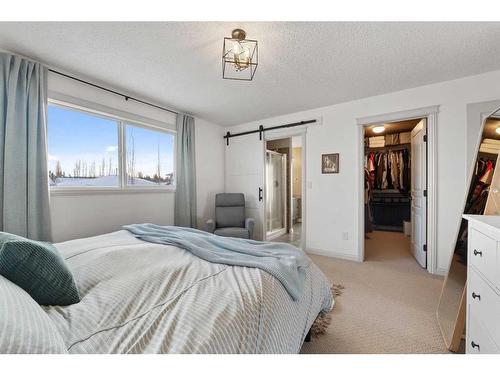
x=334 y=255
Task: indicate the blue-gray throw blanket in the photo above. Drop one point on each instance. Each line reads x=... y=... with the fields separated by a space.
x=283 y=261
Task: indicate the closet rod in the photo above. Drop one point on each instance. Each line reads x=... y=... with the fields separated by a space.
x=262 y=129
x=405 y=146
x=127 y=97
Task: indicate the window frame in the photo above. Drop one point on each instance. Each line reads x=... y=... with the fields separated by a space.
x=122 y=120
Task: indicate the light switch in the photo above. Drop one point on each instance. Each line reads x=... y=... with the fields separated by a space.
x=309 y=184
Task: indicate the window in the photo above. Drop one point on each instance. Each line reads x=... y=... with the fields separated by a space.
x=149 y=156
x=86 y=151
x=83 y=149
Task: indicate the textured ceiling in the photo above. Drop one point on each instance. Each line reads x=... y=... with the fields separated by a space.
x=302 y=65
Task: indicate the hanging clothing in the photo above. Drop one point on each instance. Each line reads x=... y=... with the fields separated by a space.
x=371 y=163
x=368 y=215
x=488 y=173
x=388 y=169
x=394 y=170
x=480 y=186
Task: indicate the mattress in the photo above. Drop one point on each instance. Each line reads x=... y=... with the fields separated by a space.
x=140 y=297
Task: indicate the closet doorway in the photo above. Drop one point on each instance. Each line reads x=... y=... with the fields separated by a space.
x=284 y=174
x=395 y=190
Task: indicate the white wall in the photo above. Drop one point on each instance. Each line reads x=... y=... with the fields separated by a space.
x=332 y=206
x=75 y=216
x=209 y=168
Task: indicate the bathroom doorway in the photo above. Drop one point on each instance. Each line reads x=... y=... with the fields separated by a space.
x=284 y=180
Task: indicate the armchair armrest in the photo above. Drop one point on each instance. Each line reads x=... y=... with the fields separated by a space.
x=249 y=224
x=210 y=225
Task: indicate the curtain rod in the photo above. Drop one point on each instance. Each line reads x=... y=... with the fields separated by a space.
x=127 y=97
x=262 y=129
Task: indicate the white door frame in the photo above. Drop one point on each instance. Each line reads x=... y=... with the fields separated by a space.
x=289 y=133
x=430 y=113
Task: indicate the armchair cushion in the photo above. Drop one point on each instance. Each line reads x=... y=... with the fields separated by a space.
x=233 y=232
x=230 y=210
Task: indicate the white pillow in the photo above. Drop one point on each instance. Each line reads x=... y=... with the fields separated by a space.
x=24 y=325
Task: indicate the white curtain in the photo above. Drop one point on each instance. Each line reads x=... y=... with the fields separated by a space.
x=185 y=193
x=24 y=187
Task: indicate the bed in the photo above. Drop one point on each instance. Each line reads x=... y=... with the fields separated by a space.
x=142 y=297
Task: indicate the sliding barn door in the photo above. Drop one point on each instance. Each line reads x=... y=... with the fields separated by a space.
x=418 y=193
x=245 y=174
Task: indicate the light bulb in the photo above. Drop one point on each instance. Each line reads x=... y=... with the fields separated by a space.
x=497 y=130
x=241 y=56
x=378 y=129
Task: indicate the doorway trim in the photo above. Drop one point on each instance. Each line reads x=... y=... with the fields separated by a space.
x=289 y=133
x=431 y=114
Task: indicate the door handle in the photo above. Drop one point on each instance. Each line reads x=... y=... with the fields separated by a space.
x=260 y=194
x=476 y=253
x=474 y=345
x=474 y=295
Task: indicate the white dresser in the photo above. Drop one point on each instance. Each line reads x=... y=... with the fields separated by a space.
x=483 y=285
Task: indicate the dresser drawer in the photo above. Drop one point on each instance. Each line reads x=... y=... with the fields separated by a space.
x=485 y=303
x=483 y=254
x=478 y=340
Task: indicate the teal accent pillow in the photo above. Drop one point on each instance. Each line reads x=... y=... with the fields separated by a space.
x=38 y=268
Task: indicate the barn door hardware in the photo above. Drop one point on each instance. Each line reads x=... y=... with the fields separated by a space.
x=262 y=129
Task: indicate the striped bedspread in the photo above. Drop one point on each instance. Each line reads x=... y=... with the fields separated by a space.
x=141 y=297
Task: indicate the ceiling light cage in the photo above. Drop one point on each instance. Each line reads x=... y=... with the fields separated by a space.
x=240 y=57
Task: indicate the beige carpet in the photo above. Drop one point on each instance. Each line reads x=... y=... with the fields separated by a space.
x=388 y=304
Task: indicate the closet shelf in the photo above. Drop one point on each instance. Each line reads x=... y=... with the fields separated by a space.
x=405 y=146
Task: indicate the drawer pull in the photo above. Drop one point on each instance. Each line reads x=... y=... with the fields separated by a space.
x=474 y=345
x=480 y=253
x=478 y=296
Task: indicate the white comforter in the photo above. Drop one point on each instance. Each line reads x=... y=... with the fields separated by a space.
x=140 y=297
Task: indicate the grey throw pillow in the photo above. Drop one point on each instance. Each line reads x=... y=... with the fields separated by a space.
x=38 y=268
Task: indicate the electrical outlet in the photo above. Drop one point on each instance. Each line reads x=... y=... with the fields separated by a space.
x=345 y=235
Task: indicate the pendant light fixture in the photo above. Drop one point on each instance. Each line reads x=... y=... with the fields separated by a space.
x=240 y=57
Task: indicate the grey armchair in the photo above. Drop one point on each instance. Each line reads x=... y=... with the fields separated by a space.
x=230 y=218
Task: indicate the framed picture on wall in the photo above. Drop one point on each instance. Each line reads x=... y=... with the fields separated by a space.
x=330 y=163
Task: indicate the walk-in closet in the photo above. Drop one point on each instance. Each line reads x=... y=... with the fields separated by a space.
x=395 y=189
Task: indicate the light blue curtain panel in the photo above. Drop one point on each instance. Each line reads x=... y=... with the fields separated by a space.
x=24 y=187
x=185 y=193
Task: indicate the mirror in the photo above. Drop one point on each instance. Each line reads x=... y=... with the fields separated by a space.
x=482 y=199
